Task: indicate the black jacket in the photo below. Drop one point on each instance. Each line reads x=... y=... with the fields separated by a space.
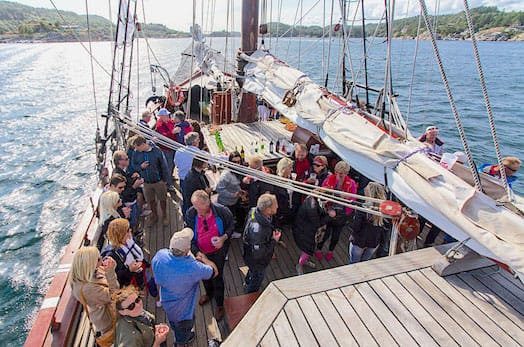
x=224 y=219
x=129 y=193
x=258 y=240
x=308 y=220
x=194 y=181
x=365 y=234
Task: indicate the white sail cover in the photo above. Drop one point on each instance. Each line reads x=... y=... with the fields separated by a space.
x=422 y=184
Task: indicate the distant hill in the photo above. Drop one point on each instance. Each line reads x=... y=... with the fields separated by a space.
x=20 y=22
x=24 y=23
x=490 y=24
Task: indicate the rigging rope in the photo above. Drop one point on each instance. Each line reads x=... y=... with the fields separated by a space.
x=92 y=66
x=467 y=151
x=303 y=188
x=77 y=38
x=486 y=100
x=326 y=81
x=410 y=94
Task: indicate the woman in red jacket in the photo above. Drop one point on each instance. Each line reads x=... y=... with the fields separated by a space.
x=338 y=214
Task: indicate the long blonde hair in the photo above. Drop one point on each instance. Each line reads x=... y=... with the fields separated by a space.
x=84 y=265
x=108 y=201
x=117 y=232
x=376 y=190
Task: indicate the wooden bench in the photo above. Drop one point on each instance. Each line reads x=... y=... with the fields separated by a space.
x=237 y=306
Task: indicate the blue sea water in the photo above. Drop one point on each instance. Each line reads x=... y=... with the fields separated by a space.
x=48 y=123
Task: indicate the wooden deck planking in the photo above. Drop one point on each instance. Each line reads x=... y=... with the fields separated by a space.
x=488 y=325
x=337 y=277
x=299 y=324
x=356 y=326
x=452 y=309
x=510 y=284
x=383 y=313
x=334 y=321
x=503 y=292
x=368 y=317
x=400 y=314
x=431 y=326
x=481 y=301
x=284 y=332
x=317 y=323
x=454 y=329
x=270 y=339
x=486 y=294
x=254 y=326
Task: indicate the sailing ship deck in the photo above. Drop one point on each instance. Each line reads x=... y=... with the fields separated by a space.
x=390 y=301
x=283 y=266
x=397 y=300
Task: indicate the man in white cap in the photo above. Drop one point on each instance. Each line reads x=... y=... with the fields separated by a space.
x=178 y=274
x=430 y=137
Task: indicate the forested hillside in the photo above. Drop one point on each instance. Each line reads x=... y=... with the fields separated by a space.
x=20 y=22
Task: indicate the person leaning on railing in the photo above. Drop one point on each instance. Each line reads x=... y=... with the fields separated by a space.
x=93 y=281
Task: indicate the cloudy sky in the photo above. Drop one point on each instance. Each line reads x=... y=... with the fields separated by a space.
x=177 y=14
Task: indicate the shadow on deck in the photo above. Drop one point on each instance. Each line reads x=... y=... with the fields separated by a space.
x=283 y=266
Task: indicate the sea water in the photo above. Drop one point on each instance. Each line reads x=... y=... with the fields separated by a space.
x=48 y=124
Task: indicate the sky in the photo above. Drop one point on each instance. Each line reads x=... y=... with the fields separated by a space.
x=177 y=14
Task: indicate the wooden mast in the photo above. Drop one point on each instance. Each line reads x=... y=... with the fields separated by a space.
x=249 y=41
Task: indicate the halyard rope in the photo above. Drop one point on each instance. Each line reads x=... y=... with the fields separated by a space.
x=467 y=151
x=486 y=100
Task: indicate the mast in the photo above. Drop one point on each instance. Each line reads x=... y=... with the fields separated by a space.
x=249 y=41
x=386 y=90
x=119 y=92
x=344 y=47
x=364 y=51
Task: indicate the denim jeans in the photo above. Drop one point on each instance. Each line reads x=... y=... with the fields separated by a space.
x=358 y=254
x=182 y=330
x=254 y=280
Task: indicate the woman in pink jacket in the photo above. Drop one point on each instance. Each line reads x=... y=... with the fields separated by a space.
x=338 y=214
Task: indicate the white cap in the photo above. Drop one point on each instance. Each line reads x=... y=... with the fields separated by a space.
x=181 y=240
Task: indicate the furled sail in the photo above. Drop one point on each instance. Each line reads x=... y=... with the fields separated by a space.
x=380 y=153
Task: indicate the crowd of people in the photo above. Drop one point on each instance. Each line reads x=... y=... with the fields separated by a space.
x=108 y=280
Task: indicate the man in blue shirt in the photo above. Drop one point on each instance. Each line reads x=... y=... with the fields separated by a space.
x=178 y=274
x=184 y=159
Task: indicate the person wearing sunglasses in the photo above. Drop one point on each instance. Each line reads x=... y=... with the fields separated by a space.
x=213 y=225
x=511 y=166
x=135 y=326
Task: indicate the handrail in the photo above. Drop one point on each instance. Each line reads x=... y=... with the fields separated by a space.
x=54 y=322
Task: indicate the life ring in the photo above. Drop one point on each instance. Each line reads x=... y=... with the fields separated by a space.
x=173 y=99
x=409 y=228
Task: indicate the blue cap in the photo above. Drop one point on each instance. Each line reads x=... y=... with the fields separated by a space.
x=163 y=112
